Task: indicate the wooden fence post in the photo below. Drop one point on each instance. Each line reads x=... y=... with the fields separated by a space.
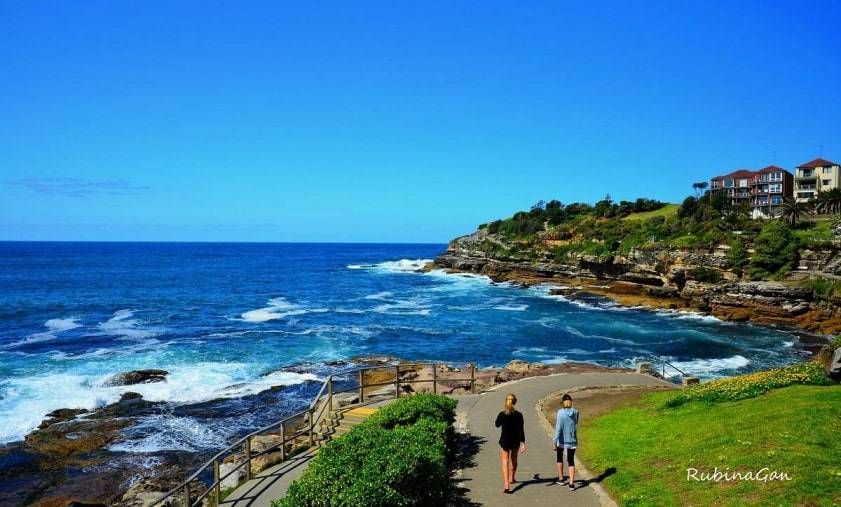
x=217 y=488
x=472 y=378
x=283 y=441
x=361 y=388
x=435 y=378
x=248 y=459
x=397 y=381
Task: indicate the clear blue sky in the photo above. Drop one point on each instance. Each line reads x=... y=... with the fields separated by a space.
x=391 y=121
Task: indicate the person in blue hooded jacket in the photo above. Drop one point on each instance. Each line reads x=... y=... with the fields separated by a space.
x=566 y=438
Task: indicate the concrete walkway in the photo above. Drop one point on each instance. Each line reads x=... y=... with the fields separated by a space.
x=537 y=469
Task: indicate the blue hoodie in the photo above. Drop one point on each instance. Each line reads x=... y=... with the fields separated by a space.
x=566 y=428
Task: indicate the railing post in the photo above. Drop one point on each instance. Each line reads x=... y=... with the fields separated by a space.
x=217 y=488
x=361 y=388
x=435 y=378
x=248 y=459
x=330 y=396
x=312 y=437
x=472 y=378
x=283 y=440
x=397 y=381
x=187 y=501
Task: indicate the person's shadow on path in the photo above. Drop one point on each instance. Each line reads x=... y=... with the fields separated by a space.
x=549 y=481
x=466 y=448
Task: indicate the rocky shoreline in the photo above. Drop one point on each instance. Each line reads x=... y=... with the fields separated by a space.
x=67 y=461
x=656 y=279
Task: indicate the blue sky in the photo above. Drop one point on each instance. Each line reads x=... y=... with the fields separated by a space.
x=391 y=121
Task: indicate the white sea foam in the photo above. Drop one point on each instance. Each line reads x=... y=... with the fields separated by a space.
x=511 y=308
x=399 y=266
x=277 y=308
x=712 y=367
x=379 y=296
x=54 y=326
x=24 y=401
x=122 y=324
x=685 y=315
x=166 y=432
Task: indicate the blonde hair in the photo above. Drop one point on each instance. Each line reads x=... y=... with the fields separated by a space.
x=510 y=401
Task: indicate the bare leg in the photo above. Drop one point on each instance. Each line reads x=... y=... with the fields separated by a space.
x=560 y=471
x=514 y=456
x=503 y=456
x=571 y=474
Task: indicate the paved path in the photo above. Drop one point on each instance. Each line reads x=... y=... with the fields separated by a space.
x=536 y=471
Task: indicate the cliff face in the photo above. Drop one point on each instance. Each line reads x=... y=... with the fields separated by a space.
x=660 y=278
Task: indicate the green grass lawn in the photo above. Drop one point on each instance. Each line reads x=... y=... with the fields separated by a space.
x=666 y=211
x=796 y=430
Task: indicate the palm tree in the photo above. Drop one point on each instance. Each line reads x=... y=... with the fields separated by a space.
x=792 y=211
x=829 y=201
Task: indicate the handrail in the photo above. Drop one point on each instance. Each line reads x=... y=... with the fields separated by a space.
x=663 y=363
x=310 y=425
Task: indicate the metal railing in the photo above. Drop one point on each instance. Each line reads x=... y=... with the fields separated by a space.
x=308 y=426
x=663 y=364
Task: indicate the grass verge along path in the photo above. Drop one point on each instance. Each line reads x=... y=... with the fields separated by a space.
x=794 y=430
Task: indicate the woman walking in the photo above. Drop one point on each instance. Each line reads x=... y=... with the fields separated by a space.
x=566 y=437
x=512 y=441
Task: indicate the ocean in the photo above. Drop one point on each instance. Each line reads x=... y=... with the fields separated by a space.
x=226 y=321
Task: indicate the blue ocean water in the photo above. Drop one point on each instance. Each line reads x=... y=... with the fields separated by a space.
x=224 y=319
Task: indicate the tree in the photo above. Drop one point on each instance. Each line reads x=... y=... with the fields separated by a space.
x=687 y=209
x=775 y=250
x=792 y=211
x=829 y=201
x=736 y=214
x=699 y=187
x=738 y=256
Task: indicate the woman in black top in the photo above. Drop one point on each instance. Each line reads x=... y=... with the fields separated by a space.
x=512 y=441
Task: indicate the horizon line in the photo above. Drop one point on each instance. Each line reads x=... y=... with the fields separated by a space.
x=224 y=242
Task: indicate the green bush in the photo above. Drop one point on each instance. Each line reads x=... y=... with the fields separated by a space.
x=398 y=457
x=412 y=409
x=704 y=274
x=775 y=251
x=752 y=385
x=838 y=341
x=822 y=288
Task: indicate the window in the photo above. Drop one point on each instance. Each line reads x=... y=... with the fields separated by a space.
x=728 y=183
x=776 y=176
x=827 y=170
x=763 y=177
x=776 y=188
x=743 y=182
x=826 y=182
x=763 y=199
x=805 y=195
x=776 y=199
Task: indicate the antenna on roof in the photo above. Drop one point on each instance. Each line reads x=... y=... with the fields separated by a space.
x=775 y=157
x=821 y=152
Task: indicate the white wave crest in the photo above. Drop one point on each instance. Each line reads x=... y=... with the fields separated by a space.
x=712 y=367
x=54 y=326
x=399 y=266
x=123 y=325
x=277 y=308
x=511 y=308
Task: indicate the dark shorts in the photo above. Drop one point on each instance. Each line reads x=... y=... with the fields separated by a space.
x=509 y=446
x=570 y=456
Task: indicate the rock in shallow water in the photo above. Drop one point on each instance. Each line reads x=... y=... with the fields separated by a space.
x=128 y=378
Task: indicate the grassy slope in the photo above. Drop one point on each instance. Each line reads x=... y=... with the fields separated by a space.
x=795 y=430
x=666 y=211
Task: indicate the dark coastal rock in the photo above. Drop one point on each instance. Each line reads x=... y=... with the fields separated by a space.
x=137 y=377
x=835 y=366
x=61 y=415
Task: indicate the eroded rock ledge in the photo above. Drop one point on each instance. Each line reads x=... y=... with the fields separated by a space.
x=660 y=279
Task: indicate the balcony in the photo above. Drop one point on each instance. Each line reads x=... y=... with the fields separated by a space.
x=807 y=175
x=807 y=186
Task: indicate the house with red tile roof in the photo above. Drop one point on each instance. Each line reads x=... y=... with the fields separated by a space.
x=763 y=190
x=818 y=175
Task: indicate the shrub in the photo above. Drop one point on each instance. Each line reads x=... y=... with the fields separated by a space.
x=822 y=288
x=837 y=341
x=752 y=385
x=398 y=457
x=413 y=408
x=738 y=257
x=775 y=251
x=704 y=274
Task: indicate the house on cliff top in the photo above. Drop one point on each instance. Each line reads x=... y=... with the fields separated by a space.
x=763 y=190
x=815 y=176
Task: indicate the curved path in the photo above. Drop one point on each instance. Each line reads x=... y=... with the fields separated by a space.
x=536 y=472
